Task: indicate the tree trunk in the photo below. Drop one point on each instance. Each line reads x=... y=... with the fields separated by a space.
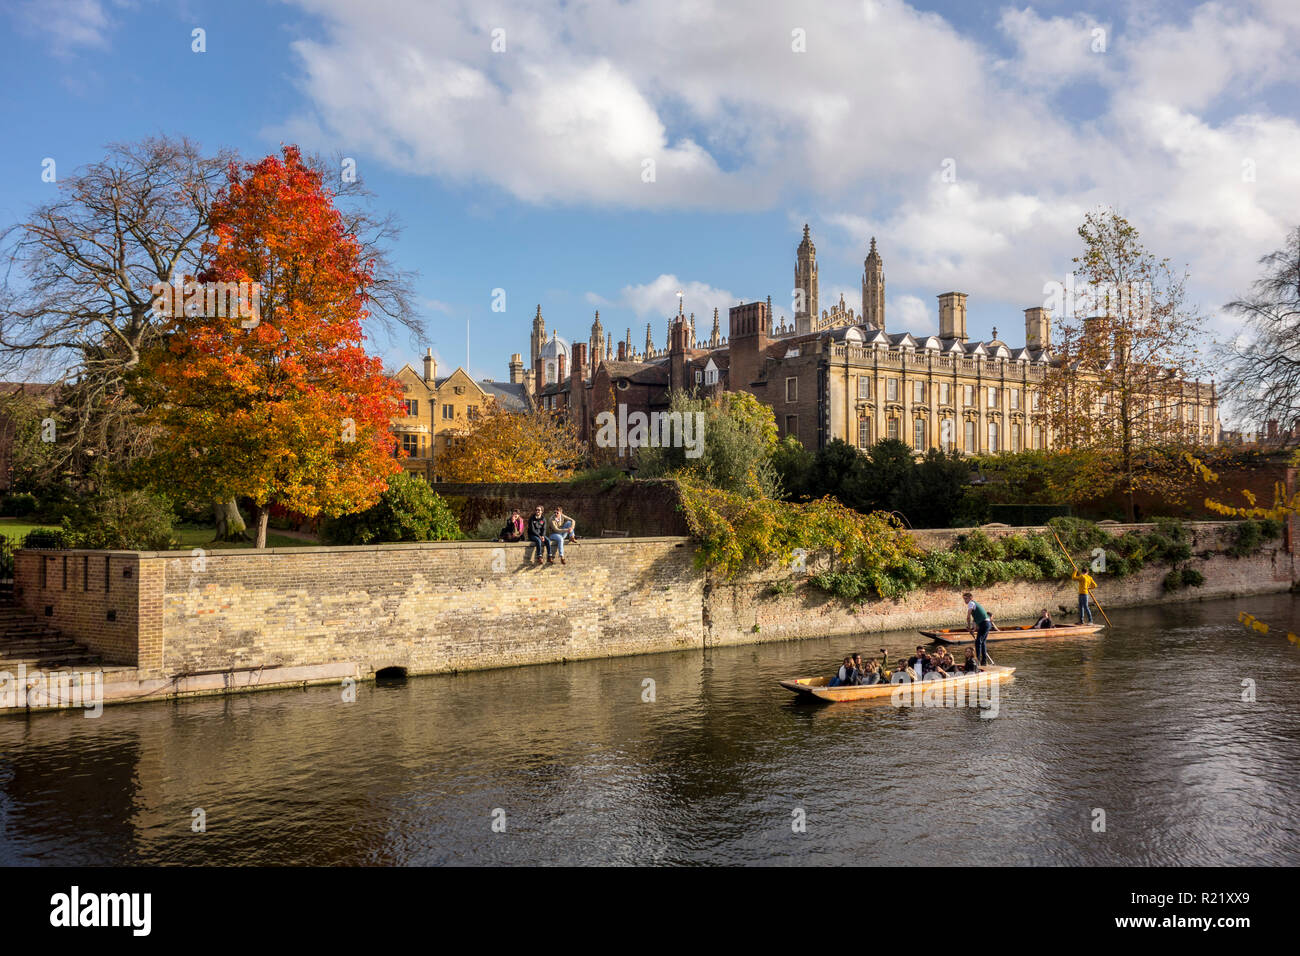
x=230 y=523
x=263 y=512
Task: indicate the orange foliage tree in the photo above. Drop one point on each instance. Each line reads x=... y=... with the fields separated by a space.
x=284 y=407
x=512 y=446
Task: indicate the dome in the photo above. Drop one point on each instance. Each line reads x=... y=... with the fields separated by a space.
x=554 y=347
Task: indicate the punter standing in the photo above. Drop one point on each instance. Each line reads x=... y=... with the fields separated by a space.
x=1086 y=584
x=977 y=622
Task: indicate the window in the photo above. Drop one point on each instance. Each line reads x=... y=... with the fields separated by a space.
x=864 y=387
x=472 y=412
x=864 y=432
x=1015 y=399
x=448 y=412
x=411 y=445
x=1036 y=436
x=891 y=389
x=791 y=424
x=1035 y=403
x=993 y=438
x=971 y=447
x=918 y=392
x=792 y=390
x=710 y=376
x=945 y=393
x=1015 y=436
x=993 y=396
x=918 y=434
x=968 y=395
x=946 y=431
x=893 y=428
x=412 y=407
x=699 y=376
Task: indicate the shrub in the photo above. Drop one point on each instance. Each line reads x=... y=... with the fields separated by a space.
x=408 y=510
x=18 y=505
x=1192 y=578
x=122 y=519
x=1173 y=580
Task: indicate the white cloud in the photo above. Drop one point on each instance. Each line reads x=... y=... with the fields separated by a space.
x=656 y=302
x=857 y=127
x=67 y=25
x=908 y=313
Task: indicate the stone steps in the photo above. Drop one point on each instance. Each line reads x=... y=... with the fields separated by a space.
x=27 y=640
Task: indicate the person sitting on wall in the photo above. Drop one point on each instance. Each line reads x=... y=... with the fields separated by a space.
x=1044 y=619
x=514 y=529
x=561 y=528
x=537 y=532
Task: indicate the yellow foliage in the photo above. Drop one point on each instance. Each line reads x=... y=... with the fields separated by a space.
x=512 y=446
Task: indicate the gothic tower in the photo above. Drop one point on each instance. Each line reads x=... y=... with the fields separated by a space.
x=597 y=343
x=536 y=341
x=873 y=290
x=805 y=281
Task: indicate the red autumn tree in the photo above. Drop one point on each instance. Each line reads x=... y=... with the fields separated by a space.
x=278 y=402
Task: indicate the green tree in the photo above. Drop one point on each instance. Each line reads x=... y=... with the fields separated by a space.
x=738 y=442
x=408 y=510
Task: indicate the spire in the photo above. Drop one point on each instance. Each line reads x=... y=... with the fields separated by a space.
x=805 y=283
x=873 y=289
x=714 y=338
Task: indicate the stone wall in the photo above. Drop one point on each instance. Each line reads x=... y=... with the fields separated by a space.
x=428 y=607
x=449 y=606
x=757 y=607
x=641 y=508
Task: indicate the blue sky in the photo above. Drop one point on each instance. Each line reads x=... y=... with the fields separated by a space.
x=521 y=169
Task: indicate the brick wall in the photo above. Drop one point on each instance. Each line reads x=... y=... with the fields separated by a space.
x=82 y=589
x=428 y=607
x=641 y=508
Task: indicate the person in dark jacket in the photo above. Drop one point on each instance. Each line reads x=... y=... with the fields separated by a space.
x=537 y=532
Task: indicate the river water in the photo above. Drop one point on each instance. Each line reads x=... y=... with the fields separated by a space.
x=573 y=764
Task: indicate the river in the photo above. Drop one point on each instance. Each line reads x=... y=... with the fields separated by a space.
x=575 y=763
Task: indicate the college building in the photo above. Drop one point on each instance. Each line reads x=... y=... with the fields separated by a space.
x=834 y=373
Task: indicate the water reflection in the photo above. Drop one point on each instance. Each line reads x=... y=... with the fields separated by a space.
x=1145 y=723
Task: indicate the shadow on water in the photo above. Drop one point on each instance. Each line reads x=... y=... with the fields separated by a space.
x=700 y=757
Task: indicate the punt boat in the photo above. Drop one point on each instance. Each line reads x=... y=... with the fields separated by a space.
x=814 y=688
x=959 y=635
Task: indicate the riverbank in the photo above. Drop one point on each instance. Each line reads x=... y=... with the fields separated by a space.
x=225 y=622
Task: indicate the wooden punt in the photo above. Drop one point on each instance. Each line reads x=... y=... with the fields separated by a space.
x=959 y=635
x=814 y=688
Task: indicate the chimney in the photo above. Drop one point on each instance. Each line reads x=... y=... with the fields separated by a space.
x=559 y=368
x=430 y=366
x=516 y=369
x=952 y=316
x=1038 y=328
x=579 y=372
x=749 y=325
x=622 y=351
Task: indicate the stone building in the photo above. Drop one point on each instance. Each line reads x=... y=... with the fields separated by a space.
x=834 y=374
x=437 y=408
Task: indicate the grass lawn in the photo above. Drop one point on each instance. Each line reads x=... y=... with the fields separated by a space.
x=189 y=536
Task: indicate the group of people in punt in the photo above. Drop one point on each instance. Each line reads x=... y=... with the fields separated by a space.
x=543 y=534
x=853 y=673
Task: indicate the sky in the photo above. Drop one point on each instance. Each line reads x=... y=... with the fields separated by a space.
x=606 y=155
